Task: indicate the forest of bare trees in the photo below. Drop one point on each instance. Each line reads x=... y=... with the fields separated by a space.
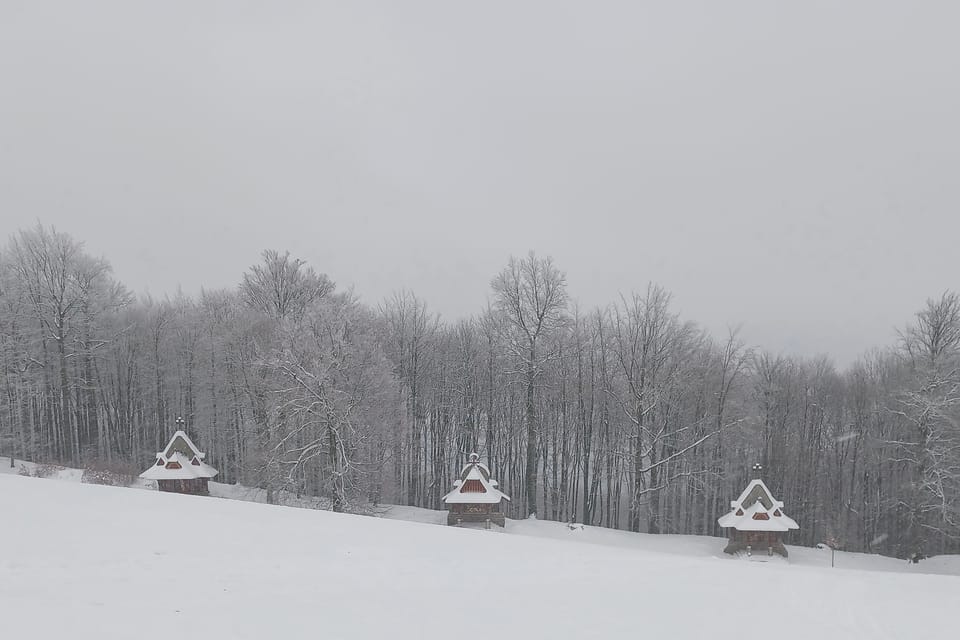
x=626 y=416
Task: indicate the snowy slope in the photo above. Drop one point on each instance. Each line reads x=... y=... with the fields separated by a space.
x=21 y=467
x=217 y=489
x=686 y=545
x=85 y=561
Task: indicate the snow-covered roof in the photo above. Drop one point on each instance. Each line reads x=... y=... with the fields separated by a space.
x=758 y=490
x=475 y=486
x=757 y=510
x=180 y=460
x=181 y=442
x=479 y=465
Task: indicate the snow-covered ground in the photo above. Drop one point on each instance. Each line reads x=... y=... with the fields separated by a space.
x=217 y=489
x=691 y=546
x=21 y=467
x=86 y=561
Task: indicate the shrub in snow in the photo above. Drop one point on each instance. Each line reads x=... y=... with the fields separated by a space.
x=112 y=473
x=109 y=478
x=40 y=470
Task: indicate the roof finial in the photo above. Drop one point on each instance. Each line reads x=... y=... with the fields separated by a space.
x=757 y=470
x=179 y=422
x=474 y=457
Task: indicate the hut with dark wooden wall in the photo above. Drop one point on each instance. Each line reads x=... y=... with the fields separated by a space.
x=756 y=520
x=180 y=468
x=475 y=497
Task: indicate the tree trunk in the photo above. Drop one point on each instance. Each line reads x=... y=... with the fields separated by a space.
x=531 y=469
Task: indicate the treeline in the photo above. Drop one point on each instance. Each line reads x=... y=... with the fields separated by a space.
x=626 y=416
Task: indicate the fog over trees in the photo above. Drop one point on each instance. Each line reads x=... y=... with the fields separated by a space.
x=624 y=416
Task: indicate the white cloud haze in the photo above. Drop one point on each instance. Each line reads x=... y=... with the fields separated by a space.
x=788 y=166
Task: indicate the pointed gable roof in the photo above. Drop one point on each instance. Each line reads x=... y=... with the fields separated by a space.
x=757 y=510
x=179 y=460
x=475 y=485
x=756 y=490
x=181 y=442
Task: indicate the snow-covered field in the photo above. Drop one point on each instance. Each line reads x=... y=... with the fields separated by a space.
x=217 y=489
x=692 y=546
x=86 y=561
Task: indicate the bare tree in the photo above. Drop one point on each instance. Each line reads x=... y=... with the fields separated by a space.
x=531 y=293
x=284 y=290
x=63 y=285
x=412 y=330
x=283 y=287
x=931 y=405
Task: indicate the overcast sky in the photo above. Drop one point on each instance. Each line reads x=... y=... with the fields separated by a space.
x=788 y=166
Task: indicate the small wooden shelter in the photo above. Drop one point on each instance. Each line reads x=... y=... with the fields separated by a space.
x=475 y=497
x=180 y=468
x=756 y=520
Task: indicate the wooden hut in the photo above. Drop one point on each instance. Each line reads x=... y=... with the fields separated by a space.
x=756 y=520
x=180 y=468
x=475 y=497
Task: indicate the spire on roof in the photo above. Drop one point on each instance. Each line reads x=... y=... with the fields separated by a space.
x=474 y=457
x=757 y=471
